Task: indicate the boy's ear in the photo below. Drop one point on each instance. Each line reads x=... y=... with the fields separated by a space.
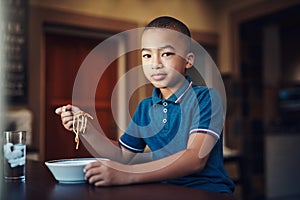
x=190 y=57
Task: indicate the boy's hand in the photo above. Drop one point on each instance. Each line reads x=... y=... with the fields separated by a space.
x=107 y=173
x=66 y=113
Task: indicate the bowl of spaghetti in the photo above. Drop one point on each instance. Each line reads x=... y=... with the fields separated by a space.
x=69 y=171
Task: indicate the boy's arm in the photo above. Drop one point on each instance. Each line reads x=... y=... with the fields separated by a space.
x=95 y=140
x=177 y=165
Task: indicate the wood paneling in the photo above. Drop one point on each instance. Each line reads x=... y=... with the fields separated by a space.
x=64 y=56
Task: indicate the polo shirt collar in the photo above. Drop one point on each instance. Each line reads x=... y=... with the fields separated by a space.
x=177 y=96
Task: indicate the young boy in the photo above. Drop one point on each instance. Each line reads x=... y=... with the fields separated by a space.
x=181 y=123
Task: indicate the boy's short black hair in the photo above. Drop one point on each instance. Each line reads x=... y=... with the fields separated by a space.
x=172 y=24
x=169 y=23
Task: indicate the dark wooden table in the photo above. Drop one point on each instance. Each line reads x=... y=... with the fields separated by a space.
x=40 y=184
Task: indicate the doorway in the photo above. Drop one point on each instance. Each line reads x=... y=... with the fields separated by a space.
x=64 y=56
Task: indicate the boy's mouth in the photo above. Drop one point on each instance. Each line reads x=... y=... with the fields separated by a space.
x=158 y=76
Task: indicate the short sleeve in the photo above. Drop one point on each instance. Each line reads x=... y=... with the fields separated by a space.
x=132 y=143
x=208 y=115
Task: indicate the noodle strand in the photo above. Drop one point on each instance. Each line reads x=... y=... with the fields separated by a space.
x=80 y=124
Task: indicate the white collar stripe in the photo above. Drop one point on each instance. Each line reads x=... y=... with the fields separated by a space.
x=178 y=100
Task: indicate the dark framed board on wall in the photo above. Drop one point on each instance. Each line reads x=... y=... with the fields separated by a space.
x=14 y=48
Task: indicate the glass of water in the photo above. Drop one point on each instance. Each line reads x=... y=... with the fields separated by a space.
x=14 y=155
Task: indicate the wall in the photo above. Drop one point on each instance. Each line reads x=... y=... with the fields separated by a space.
x=200 y=15
x=223 y=10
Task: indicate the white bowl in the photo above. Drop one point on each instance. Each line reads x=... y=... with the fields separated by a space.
x=69 y=170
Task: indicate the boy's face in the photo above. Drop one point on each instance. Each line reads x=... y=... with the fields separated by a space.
x=165 y=58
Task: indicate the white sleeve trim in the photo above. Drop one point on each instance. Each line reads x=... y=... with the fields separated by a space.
x=202 y=130
x=129 y=147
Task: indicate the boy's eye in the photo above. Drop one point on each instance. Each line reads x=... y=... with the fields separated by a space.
x=167 y=54
x=146 y=55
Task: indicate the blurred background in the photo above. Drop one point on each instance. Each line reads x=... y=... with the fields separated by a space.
x=254 y=43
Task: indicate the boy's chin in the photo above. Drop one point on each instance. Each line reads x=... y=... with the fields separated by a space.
x=159 y=85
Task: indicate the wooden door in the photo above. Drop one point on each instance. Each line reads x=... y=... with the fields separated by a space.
x=64 y=55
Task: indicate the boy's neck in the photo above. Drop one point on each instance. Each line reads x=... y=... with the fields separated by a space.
x=167 y=92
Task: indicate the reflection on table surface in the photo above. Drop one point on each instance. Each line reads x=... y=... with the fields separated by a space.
x=40 y=184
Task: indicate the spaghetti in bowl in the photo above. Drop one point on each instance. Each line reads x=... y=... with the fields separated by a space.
x=69 y=171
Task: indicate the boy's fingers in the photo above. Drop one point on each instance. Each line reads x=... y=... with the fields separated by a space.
x=92 y=165
x=69 y=125
x=62 y=109
x=58 y=110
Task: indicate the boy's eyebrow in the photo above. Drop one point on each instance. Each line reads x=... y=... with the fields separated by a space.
x=160 y=48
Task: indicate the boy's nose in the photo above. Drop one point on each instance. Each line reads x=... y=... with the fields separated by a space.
x=157 y=66
x=156 y=63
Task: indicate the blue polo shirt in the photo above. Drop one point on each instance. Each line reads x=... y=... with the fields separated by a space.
x=164 y=125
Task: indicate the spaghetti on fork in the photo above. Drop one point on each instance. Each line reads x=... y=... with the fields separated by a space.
x=79 y=124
